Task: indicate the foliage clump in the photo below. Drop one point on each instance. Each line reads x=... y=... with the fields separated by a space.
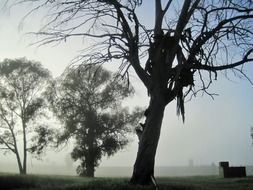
x=88 y=103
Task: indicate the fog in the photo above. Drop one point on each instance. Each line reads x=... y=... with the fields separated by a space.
x=214 y=130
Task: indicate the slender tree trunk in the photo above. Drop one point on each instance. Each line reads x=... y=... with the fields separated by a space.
x=145 y=161
x=24 y=148
x=16 y=152
x=19 y=161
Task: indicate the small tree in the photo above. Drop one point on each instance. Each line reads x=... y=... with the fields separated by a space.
x=22 y=83
x=87 y=101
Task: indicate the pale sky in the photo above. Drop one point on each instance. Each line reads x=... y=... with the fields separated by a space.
x=214 y=130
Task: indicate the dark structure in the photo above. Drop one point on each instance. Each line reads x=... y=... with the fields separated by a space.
x=251 y=134
x=229 y=172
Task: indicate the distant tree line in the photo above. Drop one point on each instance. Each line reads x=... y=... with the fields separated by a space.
x=86 y=101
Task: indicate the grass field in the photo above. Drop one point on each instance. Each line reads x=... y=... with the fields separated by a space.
x=40 y=182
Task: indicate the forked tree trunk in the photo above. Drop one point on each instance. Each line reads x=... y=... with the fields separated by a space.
x=16 y=152
x=145 y=161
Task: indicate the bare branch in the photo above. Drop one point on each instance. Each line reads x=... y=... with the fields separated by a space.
x=9 y=146
x=167 y=7
x=222 y=67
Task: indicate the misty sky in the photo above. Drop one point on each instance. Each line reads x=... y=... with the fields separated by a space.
x=214 y=130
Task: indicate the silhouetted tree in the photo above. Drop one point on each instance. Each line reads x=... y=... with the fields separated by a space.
x=87 y=102
x=187 y=44
x=22 y=83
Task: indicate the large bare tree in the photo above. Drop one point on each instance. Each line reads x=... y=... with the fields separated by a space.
x=177 y=55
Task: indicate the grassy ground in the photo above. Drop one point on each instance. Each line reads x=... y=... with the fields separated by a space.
x=39 y=182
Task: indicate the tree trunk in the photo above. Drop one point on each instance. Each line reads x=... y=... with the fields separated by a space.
x=16 y=152
x=145 y=161
x=89 y=162
x=19 y=161
x=90 y=169
x=24 y=148
x=89 y=159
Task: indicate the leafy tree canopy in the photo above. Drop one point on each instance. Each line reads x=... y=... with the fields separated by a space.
x=88 y=103
x=22 y=84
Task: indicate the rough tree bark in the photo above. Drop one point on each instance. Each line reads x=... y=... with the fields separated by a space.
x=162 y=53
x=145 y=161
